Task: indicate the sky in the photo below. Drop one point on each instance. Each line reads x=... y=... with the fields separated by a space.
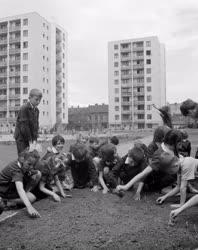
x=91 y=24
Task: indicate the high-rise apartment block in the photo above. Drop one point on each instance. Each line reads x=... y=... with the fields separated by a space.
x=136 y=79
x=33 y=54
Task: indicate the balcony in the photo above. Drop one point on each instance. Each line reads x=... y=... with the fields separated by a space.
x=14 y=96
x=14 y=85
x=3 y=52
x=58 y=109
x=127 y=76
x=14 y=73
x=15 y=51
x=58 y=38
x=3 y=74
x=138 y=66
x=3 y=41
x=138 y=48
x=58 y=88
x=58 y=68
x=3 y=97
x=14 y=108
x=127 y=49
x=3 y=63
x=58 y=58
x=3 y=108
x=126 y=58
x=125 y=103
x=58 y=78
x=126 y=112
x=3 y=86
x=136 y=93
x=14 y=62
x=140 y=75
x=58 y=49
x=137 y=112
x=138 y=57
x=58 y=99
x=138 y=102
x=15 y=28
x=138 y=84
x=14 y=39
x=3 y=30
x=124 y=67
x=124 y=93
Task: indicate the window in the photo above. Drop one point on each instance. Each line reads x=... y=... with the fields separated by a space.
x=25 y=22
x=43 y=24
x=148 y=43
x=43 y=113
x=115 y=46
x=116 y=73
x=63 y=75
x=115 y=55
x=149 y=98
x=115 y=64
x=117 y=117
x=47 y=102
x=25 y=79
x=63 y=95
x=148 y=52
x=43 y=35
x=148 y=61
x=116 y=108
x=43 y=57
x=25 y=33
x=43 y=46
x=43 y=102
x=25 y=67
x=149 y=116
x=25 y=45
x=149 y=88
x=148 y=70
x=43 y=91
x=149 y=107
x=25 y=101
x=63 y=55
x=140 y=116
x=63 y=115
x=63 y=105
x=25 y=56
x=116 y=90
x=148 y=79
x=116 y=99
x=47 y=48
x=43 y=68
x=47 y=38
x=43 y=79
x=47 y=91
x=25 y=91
x=116 y=81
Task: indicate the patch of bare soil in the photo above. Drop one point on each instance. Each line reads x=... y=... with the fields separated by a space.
x=96 y=221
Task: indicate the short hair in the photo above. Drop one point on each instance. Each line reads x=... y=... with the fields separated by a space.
x=184 y=134
x=160 y=133
x=107 y=152
x=23 y=156
x=186 y=106
x=173 y=137
x=93 y=139
x=137 y=154
x=56 y=139
x=35 y=92
x=114 y=140
x=79 y=151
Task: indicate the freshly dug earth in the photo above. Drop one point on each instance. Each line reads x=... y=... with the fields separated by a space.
x=96 y=221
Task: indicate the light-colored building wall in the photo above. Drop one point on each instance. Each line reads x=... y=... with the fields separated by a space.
x=136 y=80
x=41 y=49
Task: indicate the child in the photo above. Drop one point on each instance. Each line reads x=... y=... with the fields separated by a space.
x=189 y=108
x=114 y=140
x=133 y=163
x=82 y=167
x=65 y=176
x=17 y=180
x=50 y=169
x=164 y=162
x=27 y=124
x=184 y=147
x=188 y=172
x=109 y=169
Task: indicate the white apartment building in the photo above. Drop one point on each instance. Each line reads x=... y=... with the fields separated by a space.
x=33 y=54
x=136 y=80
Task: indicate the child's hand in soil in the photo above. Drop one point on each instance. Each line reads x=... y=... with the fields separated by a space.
x=33 y=212
x=105 y=190
x=95 y=189
x=56 y=198
x=160 y=200
x=137 y=197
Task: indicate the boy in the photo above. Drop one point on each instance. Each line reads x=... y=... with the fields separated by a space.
x=189 y=108
x=65 y=176
x=188 y=171
x=133 y=163
x=114 y=140
x=82 y=168
x=27 y=124
x=109 y=169
x=50 y=170
x=17 y=180
x=164 y=162
x=184 y=147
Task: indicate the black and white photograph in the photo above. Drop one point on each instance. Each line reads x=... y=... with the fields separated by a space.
x=98 y=125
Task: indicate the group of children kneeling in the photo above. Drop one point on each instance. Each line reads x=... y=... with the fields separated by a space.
x=91 y=163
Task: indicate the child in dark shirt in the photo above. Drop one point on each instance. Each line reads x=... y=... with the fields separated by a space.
x=164 y=161
x=27 y=124
x=184 y=147
x=18 y=179
x=82 y=168
x=109 y=168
